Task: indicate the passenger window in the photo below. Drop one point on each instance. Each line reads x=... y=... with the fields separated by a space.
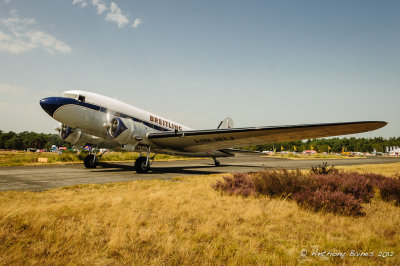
x=81 y=98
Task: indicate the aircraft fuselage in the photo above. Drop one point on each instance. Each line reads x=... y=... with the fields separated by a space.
x=91 y=113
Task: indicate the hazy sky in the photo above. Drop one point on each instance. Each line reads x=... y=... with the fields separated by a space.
x=260 y=62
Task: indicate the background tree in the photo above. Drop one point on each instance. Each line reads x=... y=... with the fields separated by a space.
x=336 y=145
x=24 y=140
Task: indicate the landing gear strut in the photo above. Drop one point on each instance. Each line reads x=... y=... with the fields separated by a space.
x=216 y=162
x=142 y=164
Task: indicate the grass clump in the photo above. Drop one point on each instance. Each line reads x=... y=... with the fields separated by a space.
x=237 y=184
x=336 y=192
x=281 y=182
x=350 y=183
x=390 y=190
x=334 y=201
x=323 y=169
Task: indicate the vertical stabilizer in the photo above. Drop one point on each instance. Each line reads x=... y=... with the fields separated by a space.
x=226 y=123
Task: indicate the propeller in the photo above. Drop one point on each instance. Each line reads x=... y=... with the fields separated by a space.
x=65 y=131
x=107 y=124
x=114 y=127
x=58 y=128
x=108 y=117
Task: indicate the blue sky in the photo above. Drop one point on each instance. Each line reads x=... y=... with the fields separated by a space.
x=259 y=62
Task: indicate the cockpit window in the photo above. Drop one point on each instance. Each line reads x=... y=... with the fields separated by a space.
x=81 y=98
x=71 y=95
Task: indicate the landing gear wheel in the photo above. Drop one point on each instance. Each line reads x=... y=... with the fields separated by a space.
x=140 y=165
x=90 y=161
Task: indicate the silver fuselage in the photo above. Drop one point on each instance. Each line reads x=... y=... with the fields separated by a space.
x=90 y=113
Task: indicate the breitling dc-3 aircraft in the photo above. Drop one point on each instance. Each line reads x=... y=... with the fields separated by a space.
x=90 y=118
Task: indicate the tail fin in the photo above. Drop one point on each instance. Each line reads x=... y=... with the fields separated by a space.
x=226 y=123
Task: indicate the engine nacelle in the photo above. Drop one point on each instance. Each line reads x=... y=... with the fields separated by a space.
x=126 y=131
x=79 y=138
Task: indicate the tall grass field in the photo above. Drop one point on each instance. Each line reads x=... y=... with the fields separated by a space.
x=16 y=158
x=186 y=221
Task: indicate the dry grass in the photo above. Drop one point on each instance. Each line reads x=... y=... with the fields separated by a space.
x=184 y=221
x=28 y=158
x=318 y=156
x=31 y=158
x=389 y=169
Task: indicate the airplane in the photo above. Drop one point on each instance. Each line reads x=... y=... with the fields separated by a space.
x=91 y=118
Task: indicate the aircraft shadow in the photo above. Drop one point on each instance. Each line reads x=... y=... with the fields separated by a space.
x=122 y=167
x=190 y=170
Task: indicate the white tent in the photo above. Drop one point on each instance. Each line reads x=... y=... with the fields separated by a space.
x=395 y=152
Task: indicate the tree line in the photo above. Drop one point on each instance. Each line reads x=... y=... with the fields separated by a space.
x=352 y=144
x=24 y=140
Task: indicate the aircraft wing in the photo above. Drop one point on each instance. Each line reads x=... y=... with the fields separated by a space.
x=216 y=139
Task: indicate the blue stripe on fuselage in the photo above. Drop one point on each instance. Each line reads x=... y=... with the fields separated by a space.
x=51 y=104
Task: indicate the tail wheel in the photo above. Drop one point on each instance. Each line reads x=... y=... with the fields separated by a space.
x=140 y=165
x=90 y=161
x=216 y=162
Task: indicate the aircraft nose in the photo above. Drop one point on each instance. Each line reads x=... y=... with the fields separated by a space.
x=50 y=104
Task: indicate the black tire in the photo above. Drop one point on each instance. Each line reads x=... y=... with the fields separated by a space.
x=217 y=163
x=90 y=161
x=140 y=165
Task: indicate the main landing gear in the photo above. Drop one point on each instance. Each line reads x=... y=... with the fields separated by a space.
x=92 y=159
x=142 y=164
x=216 y=162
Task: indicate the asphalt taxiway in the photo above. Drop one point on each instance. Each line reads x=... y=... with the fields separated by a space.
x=38 y=178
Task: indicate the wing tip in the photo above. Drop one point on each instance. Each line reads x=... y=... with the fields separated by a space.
x=381 y=124
x=373 y=125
